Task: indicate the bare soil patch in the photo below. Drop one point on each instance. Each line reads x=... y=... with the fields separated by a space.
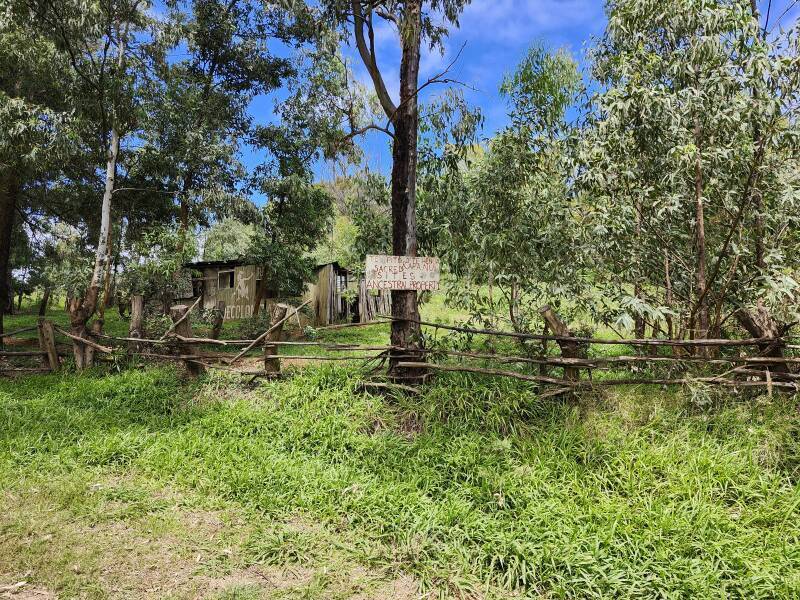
x=112 y=540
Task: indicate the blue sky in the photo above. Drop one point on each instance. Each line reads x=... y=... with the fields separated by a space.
x=497 y=34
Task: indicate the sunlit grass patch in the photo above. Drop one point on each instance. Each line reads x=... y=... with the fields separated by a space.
x=477 y=484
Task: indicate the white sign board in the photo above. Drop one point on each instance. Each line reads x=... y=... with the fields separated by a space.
x=402 y=273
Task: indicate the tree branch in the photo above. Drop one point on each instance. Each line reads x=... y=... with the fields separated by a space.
x=438 y=78
x=368 y=57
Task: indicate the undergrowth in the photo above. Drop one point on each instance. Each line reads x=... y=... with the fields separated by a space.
x=475 y=485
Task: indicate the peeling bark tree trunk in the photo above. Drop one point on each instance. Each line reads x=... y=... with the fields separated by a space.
x=759 y=323
x=81 y=310
x=758 y=200
x=100 y=321
x=9 y=189
x=701 y=310
x=261 y=293
x=568 y=349
x=44 y=302
x=668 y=295
x=513 y=308
x=639 y=323
x=406 y=331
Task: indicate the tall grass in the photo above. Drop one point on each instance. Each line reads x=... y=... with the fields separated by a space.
x=477 y=484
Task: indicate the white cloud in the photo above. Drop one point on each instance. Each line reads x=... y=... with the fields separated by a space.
x=512 y=22
x=432 y=62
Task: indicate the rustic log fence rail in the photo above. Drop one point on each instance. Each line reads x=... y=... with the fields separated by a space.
x=762 y=370
x=179 y=344
x=47 y=353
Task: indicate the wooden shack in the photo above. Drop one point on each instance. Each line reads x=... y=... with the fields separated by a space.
x=232 y=282
x=329 y=292
x=337 y=296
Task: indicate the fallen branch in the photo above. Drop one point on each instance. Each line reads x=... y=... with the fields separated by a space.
x=264 y=335
x=131 y=339
x=90 y=343
x=17 y=332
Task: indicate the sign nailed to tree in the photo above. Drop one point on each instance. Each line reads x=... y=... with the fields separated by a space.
x=402 y=273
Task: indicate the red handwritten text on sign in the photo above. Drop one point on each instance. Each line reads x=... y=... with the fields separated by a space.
x=419 y=273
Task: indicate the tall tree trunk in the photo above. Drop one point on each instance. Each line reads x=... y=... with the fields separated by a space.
x=639 y=323
x=9 y=189
x=81 y=310
x=183 y=214
x=44 y=302
x=757 y=197
x=702 y=322
x=261 y=292
x=100 y=321
x=513 y=307
x=668 y=294
x=406 y=331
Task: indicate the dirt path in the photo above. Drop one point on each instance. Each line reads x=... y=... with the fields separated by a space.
x=111 y=540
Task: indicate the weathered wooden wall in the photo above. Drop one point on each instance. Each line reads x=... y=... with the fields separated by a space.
x=372 y=305
x=238 y=300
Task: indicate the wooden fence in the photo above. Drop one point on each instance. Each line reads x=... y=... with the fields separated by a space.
x=46 y=352
x=740 y=363
x=765 y=365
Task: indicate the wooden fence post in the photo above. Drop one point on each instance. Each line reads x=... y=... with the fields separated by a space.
x=219 y=318
x=272 y=364
x=135 y=329
x=183 y=328
x=47 y=343
x=568 y=349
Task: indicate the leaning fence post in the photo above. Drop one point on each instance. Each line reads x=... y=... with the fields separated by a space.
x=568 y=349
x=47 y=343
x=183 y=327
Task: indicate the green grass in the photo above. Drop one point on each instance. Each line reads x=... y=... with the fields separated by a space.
x=29 y=316
x=475 y=486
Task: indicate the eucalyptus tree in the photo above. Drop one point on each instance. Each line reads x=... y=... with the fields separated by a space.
x=197 y=106
x=414 y=22
x=689 y=161
x=499 y=214
x=34 y=121
x=98 y=41
x=228 y=239
x=288 y=229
